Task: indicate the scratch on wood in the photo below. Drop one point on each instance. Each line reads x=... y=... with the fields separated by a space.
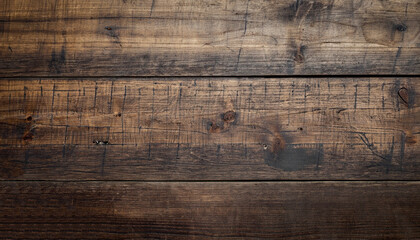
x=149 y=153
x=110 y=97
x=67 y=125
x=52 y=113
x=57 y=62
x=239 y=57
x=406 y=96
x=96 y=92
x=355 y=96
x=122 y=117
x=103 y=161
x=151 y=8
x=246 y=17
x=138 y=111
x=383 y=96
x=402 y=150
x=396 y=58
x=179 y=140
x=386 y=159
x=27 y=155
x=105 y=143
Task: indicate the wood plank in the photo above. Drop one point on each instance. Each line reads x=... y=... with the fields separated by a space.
x=210 y=128
x=235 y=210
x=207 y=37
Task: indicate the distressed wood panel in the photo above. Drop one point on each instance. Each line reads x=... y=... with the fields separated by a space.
x=271 y=210
x=206 y=37
x=210 y=129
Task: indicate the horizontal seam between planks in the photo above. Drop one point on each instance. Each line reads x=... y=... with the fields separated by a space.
x=221 y=76
x=220 y=181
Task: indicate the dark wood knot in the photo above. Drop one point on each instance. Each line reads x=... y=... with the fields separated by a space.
x=229 y=116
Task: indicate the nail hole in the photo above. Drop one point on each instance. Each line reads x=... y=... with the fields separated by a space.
x=401 y=27
x=97 y=142
x=108 y=28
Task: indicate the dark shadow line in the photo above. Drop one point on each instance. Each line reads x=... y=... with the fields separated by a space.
x=224 y=181
x=217 y=76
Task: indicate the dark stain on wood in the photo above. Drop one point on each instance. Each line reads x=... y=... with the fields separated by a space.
x=29 y=131
x=299 y=54
x=57 y=62
x=401 y=27
x=215 y=127
x=304 y=9
x=10 y=168
x=289 y=157
x=293 y=158
x=2 y=23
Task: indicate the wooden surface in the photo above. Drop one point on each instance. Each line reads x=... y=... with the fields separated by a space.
x=209 y=119
x=270 y=210
x=210 y=129
x=206 y=37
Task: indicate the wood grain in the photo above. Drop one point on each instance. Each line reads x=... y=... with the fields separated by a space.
x=207 y=38
x=235 y=210
x=210 y=129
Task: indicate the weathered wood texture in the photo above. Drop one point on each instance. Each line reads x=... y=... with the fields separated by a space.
x=127 y=210
x=206 y=37
x=210 y=129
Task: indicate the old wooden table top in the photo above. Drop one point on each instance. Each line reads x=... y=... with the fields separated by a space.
x=209 y=119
